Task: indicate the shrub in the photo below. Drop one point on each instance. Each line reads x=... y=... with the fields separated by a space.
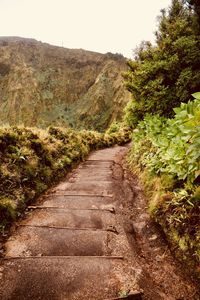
x=166 y=152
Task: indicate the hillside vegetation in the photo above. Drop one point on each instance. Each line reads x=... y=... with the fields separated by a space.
x=166 y=156
x=32 y=159
x=43 y=85
x=166 y=141
x=162 y=76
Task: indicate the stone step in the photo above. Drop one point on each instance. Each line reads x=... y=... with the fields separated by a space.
x=93 y=173
x=97 y=162
x=79 y=202
x=59 y=278
x=70 y=218
x=45 y=241
x=55 y=241
x=90 y=178
x=86 y=185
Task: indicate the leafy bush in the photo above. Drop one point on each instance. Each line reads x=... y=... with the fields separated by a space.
x=166 y=152
x=174 y=143
x=114 y=127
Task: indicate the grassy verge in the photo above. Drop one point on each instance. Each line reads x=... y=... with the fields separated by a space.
x=166 y=156
x=31 y=160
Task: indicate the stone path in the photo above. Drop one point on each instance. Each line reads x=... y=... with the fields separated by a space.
x=72 y=244
x=91 y=238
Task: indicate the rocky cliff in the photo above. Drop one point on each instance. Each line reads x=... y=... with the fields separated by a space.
x=42 y=84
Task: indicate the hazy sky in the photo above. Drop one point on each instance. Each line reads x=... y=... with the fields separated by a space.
x=98 y=25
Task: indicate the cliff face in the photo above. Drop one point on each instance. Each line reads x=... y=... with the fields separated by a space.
x=42 y=84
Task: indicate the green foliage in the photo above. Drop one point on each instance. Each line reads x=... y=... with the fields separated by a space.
x=114 y=127
x=166 y=152
x=163 y=76
x=179 y=217
x=171 y=145
x=32 y=159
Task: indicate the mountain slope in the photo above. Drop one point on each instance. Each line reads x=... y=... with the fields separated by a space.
x=42 y=84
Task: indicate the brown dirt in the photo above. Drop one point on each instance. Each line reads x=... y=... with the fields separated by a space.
x=91 y=237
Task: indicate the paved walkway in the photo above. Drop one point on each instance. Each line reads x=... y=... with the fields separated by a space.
x=72 y=244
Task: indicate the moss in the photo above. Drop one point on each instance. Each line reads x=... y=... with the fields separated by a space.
x=40 y=187
x=114 y=127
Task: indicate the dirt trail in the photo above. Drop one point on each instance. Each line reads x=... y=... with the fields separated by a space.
x=91 y=238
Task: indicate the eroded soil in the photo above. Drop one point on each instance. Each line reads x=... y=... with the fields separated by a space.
x=91 y=237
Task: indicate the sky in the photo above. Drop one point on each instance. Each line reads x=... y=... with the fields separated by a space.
x=116 y=26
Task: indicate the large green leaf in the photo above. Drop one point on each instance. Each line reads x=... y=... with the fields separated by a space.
x=196 y=95
x=174 y=143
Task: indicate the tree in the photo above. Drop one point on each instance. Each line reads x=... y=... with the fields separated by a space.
x=162 y=76
x=195 y=5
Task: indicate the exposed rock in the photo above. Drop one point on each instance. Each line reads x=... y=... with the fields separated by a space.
x=42 y=84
